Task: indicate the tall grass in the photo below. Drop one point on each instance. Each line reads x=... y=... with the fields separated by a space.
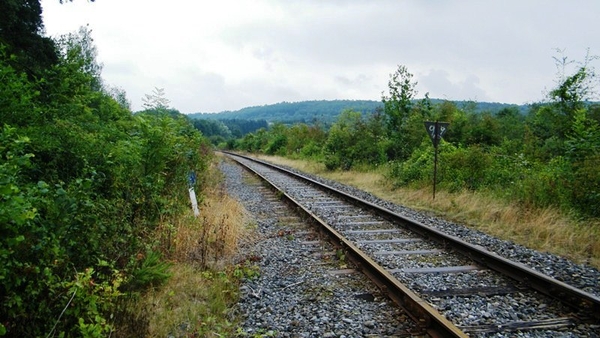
x=208 y=239
x=196 y=300
x=544 y=229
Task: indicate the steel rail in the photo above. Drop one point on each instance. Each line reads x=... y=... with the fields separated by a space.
x=579 y=300
x=434 y=323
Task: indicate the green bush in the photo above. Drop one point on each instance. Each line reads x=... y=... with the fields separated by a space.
x=586 y=186
x=276 y=145
x=83 y=184
x=416 y=170
x=352 y=141
x=545 y=185
x=311 y=150
x=464 y=168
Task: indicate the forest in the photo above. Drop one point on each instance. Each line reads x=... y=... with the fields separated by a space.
x=291 y=112
x=83 y=183
x=544 y=155
x=325 y=111
x=221 y=130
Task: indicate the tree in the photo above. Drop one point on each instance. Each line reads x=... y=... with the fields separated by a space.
x=397 y=106
x=551 y=123
x=483 y=130
x=156 y=100
x=574 y=90
x=119 y=95
x=21 y=29
x=78 y=50
x=352 y=140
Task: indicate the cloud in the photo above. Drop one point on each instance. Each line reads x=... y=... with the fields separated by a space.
x=440 y=84
x=225 y=55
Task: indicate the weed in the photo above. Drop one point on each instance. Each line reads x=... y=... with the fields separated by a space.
x=196 y=300
x=246 y=271
x=341 y=255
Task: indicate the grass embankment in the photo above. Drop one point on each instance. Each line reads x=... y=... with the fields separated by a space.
x=546 y=230
x=196 y=300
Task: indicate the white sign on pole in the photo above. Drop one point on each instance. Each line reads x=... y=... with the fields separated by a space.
x=194 y=202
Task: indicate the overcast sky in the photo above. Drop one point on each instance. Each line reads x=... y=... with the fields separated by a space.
x=217 y=55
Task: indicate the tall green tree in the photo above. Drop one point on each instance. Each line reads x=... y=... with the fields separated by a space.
x=397 y=106
x=80 y=51
x=551 y=123
x=21 y=29
x=573 y=91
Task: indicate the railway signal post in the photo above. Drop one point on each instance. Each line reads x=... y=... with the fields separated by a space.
x=436 y=130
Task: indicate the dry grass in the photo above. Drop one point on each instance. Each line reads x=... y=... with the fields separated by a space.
x=213 y=235
x=196 y=300
x=541 y=229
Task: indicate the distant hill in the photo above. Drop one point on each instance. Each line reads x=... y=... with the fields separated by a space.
x=288 y=112
x=325 y=111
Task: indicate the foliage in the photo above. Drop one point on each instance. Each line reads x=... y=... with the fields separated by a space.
x=210 y=128
x=222 y=130
x=83 y=183
x=572 y=91
x=545 y=155
x=20 y=32
x=305 y=141
x=398 y=109
x=156 y=101
x=352 y=140
x=277 y=140
x=397 y=104
x=78 y=49
x=326 y=112
x=239 y=127
x=306 y=112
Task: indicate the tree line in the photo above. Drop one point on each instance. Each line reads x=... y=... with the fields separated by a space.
x=293 y=112
x=83 y=183
x=323 y=111
x=545 y=156
x=222 y=130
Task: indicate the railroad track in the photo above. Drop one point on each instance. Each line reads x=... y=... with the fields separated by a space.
x=322 y=296
x=448 y=286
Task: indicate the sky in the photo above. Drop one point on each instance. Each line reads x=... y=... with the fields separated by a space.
x=218 y=55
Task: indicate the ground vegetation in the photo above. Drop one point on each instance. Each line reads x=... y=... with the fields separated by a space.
x=543 y=158
x=85 y=184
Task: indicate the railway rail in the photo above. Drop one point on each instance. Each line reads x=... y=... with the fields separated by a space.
x=430 y=273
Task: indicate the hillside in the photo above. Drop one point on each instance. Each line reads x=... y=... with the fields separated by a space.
x=324 y=111
x=287 y=112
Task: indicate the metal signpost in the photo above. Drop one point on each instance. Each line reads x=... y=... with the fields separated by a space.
x=436 y=130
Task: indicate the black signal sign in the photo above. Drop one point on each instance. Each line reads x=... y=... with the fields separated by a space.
x=436 y=130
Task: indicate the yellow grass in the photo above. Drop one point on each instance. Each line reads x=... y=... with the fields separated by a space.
x=541 y=229
x=214 y=234
x=196 y=300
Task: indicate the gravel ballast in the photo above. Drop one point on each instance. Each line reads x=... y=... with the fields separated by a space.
x=299 y=294
x=304 y=288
